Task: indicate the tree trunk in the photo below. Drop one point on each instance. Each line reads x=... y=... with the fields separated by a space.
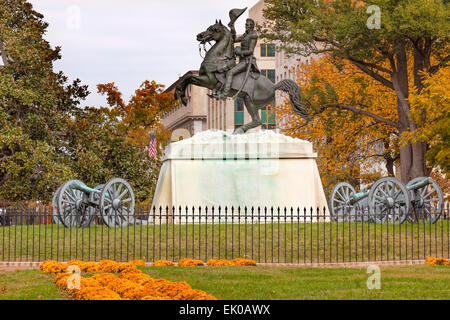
x=412 y=156
x=390 y=161
x=390 y=166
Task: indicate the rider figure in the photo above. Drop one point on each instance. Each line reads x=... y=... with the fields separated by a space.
x=244 y=52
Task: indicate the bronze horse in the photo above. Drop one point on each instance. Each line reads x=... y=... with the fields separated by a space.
x=258 y=91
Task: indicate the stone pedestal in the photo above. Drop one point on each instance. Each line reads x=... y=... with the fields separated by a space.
x=263 y=168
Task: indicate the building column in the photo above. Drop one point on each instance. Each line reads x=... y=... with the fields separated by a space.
x=198 y=127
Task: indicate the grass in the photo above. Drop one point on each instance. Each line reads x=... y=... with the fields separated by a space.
x=267 y=283
x=28 y=285
x=283 y=243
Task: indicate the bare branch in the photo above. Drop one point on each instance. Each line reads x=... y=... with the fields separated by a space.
x=443 y=63
x=374 y=74
x=359 y=111
x=370 y=65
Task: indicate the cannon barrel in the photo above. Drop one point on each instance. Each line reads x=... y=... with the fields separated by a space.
x=77 y=186
x=359 y=196
x=419 y=184
x=390 y=200
x=364 y=194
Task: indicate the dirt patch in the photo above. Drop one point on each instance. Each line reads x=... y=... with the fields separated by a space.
x=13 y=268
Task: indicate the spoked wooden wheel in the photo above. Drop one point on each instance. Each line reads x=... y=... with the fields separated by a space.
x=389 y=201
x=55 y=213
x=73 y=206
x=342 y=209
x=94 y=208
x=117 y=203
x=427 y=202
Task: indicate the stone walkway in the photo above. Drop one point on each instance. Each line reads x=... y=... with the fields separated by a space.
x=11 y=266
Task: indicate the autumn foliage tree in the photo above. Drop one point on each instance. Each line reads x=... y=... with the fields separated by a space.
x=351 y=147
x=142 y=114
x=434 y=101
x=435 y=128
x=99 y=151
x=136 y=121
x=412 y=39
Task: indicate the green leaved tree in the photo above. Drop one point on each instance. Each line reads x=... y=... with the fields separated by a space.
x=46 y=137
x=35 y=106
x=100 y=150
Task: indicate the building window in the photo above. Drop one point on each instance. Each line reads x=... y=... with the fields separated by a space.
x=268 y=118
x=238 y=112
x=269 y=74
x=267 y=50
x=238 y=104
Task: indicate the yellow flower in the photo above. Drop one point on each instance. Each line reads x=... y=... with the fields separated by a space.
x=187 y=262
x=220 y=262
x=130 y=284
x=163 y=263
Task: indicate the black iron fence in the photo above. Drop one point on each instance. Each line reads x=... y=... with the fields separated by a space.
x=266 y=235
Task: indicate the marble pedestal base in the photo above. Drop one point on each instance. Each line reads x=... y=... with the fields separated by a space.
x=260 y=169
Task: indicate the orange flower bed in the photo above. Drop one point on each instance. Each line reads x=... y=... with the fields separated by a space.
x=243 y=262
x=437 y=261
x=130 y=284
x=218 y=263
x=163 y=263
x=138 y=263
x=187 y=262
x=234 y=262
x=53 y=267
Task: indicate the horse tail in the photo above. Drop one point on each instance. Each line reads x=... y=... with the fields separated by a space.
x=291 y=87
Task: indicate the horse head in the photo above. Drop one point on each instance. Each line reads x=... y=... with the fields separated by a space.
x=215 y=32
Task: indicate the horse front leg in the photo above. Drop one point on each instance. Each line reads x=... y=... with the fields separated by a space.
x=180 y=90
x=201 y=81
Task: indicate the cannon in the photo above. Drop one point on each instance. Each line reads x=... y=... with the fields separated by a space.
x=77 y=205
x=388 y=200
x=427 y=200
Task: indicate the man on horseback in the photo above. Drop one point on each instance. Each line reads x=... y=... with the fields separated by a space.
x=247 y=62
x=219 y=67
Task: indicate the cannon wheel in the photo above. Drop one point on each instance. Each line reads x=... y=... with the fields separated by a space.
x=55 y=213
x=340 y=204
x=117 y=203
x=72 y=206
x=94 y=198
x=426 y=202
x=389 y=200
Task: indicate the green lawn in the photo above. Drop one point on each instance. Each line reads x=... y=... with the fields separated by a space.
x=267 y=283
x=284 y=243
x=28 y=285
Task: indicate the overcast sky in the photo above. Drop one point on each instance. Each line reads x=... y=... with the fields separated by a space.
x=127 y=42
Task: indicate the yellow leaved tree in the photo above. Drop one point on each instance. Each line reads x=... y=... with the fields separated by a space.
x=430 y=109
x=353 y=122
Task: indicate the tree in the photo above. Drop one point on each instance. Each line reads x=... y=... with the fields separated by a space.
x=351 y=148
x=415 y=28
x=142 y=114
x=435 y=128
x=99 y=151
x=46 y=138
x=35 y=106
x=136 y=121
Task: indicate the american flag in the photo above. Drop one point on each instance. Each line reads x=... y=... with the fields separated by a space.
x=152 y=151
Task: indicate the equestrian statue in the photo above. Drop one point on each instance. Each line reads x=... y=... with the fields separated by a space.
x=220 y=73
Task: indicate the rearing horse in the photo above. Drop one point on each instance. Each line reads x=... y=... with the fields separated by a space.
x=256 y=93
